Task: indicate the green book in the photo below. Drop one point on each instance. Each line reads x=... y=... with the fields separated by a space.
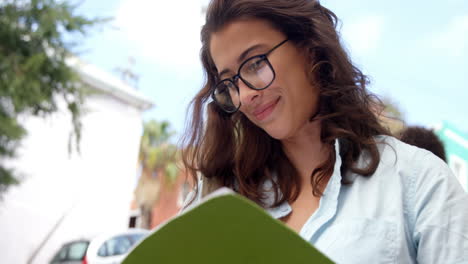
x=224 y=228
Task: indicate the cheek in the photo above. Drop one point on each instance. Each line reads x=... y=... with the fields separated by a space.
x=301 y=102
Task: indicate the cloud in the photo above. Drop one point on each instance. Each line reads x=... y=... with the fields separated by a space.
x=453 y=40
x=166 y=32
x=363 y=35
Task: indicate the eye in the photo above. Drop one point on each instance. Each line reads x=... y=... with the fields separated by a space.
x=255 y=65
x=230 y=85
x=225 y=87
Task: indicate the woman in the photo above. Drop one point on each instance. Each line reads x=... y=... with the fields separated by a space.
x=290 y=125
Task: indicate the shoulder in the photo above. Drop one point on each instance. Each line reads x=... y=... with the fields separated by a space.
x=434 y=203
x=407 y=159
x=424 y=179
x=408 y=170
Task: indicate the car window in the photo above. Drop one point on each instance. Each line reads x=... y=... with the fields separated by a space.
x=136 y=237
x=71 y=251
x=102 y=252
x=118 y=245
x=61 y=255
x=77 y=250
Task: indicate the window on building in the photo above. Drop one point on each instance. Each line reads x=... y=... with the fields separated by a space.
x=133 y=221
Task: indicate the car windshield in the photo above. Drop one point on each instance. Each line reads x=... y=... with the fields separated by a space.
x=136 y=237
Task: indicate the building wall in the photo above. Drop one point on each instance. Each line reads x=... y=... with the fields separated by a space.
x=93 y=190
x=170 y=199
x=456 y=150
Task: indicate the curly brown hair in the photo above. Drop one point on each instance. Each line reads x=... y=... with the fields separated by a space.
x=232 y=151
x=423 y=138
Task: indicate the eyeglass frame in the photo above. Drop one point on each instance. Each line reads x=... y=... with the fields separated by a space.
x=238 y=76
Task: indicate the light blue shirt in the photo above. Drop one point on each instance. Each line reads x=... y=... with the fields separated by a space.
x=412 y=210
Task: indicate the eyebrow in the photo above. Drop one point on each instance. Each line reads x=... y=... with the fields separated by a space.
x=242 y=57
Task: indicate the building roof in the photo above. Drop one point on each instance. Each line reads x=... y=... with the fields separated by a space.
x=109 y=84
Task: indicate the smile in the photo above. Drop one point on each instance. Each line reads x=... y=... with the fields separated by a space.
x=263 y=112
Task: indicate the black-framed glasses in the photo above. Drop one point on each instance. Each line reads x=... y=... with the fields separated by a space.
x=256 y=72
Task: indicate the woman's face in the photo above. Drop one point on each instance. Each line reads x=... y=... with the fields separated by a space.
x=284 y=108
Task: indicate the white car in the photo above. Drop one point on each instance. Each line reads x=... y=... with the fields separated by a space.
x=104 y=249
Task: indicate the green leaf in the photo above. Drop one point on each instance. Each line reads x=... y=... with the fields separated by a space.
x=33 y=72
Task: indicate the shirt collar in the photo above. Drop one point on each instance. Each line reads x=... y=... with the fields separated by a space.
x=330 y=195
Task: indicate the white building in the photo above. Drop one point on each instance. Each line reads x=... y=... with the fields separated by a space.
x=92 y=191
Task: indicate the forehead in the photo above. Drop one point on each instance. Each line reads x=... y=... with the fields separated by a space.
x=228 y=43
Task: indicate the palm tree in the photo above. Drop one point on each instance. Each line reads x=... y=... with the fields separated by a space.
x=157 y=160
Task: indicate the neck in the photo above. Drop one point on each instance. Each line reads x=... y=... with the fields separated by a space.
x=306 y=151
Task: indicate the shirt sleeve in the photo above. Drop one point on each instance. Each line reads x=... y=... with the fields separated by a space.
x=440 y=213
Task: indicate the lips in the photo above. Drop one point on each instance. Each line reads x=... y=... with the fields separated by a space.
x=264 y=111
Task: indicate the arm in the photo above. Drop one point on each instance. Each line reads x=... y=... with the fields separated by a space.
x=440 y=213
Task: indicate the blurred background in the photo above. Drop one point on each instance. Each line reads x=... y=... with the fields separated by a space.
x=94 y=96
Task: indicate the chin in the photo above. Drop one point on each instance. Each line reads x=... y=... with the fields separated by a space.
x=276 y=133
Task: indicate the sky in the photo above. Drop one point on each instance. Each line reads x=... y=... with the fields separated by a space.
x=415 y=52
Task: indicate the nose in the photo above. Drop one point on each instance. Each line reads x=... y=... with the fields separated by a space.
x=247 y=95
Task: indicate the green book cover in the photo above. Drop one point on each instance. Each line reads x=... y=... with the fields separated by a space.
x=224 y=228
